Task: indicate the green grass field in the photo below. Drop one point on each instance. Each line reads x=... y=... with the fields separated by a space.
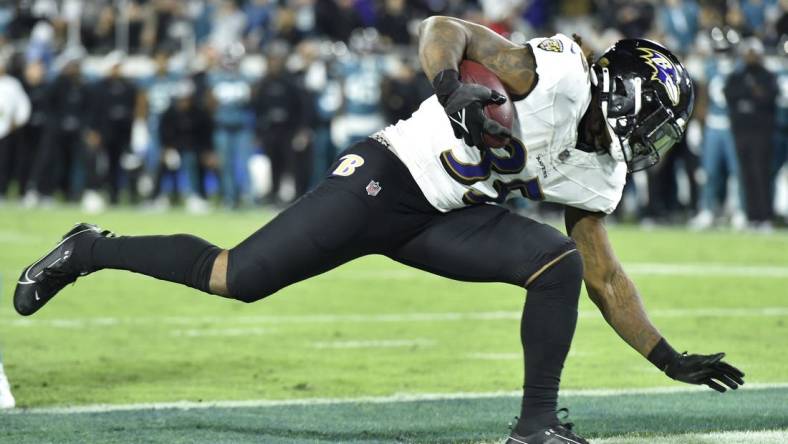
x=377 y=352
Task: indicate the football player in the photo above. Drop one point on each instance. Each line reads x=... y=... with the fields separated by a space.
x=419 y=193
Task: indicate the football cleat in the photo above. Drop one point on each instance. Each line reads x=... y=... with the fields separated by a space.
x=558 y=434
x=42 y=280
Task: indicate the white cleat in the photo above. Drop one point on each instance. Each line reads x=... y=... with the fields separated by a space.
x=7 y=400
x=739 y=221
x=197 y=205
x=703 y=221
x=93 y=202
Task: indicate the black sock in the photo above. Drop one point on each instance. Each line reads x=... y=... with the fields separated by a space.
x=180 y=258
x=546 y=331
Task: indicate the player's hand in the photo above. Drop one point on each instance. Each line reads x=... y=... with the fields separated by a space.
x=710 y=370
x=464 y=105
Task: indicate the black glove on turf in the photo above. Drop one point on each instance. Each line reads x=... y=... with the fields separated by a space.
x=705 y=369
x=696 y=369
x=464 y=104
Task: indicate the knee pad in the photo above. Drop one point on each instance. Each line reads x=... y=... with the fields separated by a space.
x=249 y=280
x=562 y=279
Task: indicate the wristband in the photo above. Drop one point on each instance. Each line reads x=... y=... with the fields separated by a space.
x=445 y=83
x=662 y=355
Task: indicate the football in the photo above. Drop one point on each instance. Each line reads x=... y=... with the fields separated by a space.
x=476 y=73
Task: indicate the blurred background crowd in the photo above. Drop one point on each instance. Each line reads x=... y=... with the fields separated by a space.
x=238 y=103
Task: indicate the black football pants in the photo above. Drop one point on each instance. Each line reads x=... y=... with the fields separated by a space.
x=370 y=204
x=377 y=208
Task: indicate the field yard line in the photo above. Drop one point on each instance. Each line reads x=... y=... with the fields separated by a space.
x=221 y=332
x=404 y=397
x=737 y=437
x=658 y=269
x=380 y=343
x=733 y=312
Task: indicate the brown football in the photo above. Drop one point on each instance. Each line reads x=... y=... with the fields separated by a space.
x=472 y=72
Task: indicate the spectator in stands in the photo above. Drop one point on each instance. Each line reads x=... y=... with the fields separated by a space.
x=155 y=97
x=112 y=112
x=231 y=93
x=279 y=105
x=679 y=22
x=633 y=18
x=259 y=18
x=209 y=166
x=403 y=91
x=66 y=104
x=362 y=71
x=664 y=198
x=393 y=22
x=22 y=21
x=751 y=92
x=160 y=16
x=41 y=46
x=229 y=24
x=781 y=136
x=6 y=15
x=136 y=25
x=754 y=12
x=337 y=19
x=718 y=148
x=326 y=92
x=781 y=25
x=186 y=132
x=34 y=82
x=98 y=28
x=14 y=114
x=286 y=26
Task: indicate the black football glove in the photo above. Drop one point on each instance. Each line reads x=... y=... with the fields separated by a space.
x=464 y=104
x=705 y=369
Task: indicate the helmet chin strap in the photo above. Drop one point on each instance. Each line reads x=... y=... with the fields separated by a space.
x=617 y=150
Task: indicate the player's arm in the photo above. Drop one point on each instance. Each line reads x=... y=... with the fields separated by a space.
x=615 y=294
x=443 y=43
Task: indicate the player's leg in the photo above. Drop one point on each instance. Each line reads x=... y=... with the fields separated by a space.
x=490 y=244
x=282 y=252
x=338 y=221
x=308 y=238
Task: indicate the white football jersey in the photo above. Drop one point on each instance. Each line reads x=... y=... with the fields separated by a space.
x=541 y=161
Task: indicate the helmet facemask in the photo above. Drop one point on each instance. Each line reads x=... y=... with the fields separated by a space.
x=641 y=128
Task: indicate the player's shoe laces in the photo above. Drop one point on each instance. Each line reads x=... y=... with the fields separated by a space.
x=43 y=279
x=558 y=434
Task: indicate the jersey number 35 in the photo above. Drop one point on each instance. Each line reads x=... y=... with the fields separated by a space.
x=510 y=164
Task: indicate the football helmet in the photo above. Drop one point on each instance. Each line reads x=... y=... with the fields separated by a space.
x=646 y=97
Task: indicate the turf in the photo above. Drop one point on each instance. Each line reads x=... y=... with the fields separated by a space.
x=447 y=421
x=370 y=328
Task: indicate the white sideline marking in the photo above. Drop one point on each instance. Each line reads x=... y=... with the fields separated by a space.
x=403 y=397
x=384 y=343
x=738 y=437
x=734 y=312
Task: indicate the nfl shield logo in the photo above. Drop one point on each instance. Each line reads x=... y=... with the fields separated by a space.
x=373 y=188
